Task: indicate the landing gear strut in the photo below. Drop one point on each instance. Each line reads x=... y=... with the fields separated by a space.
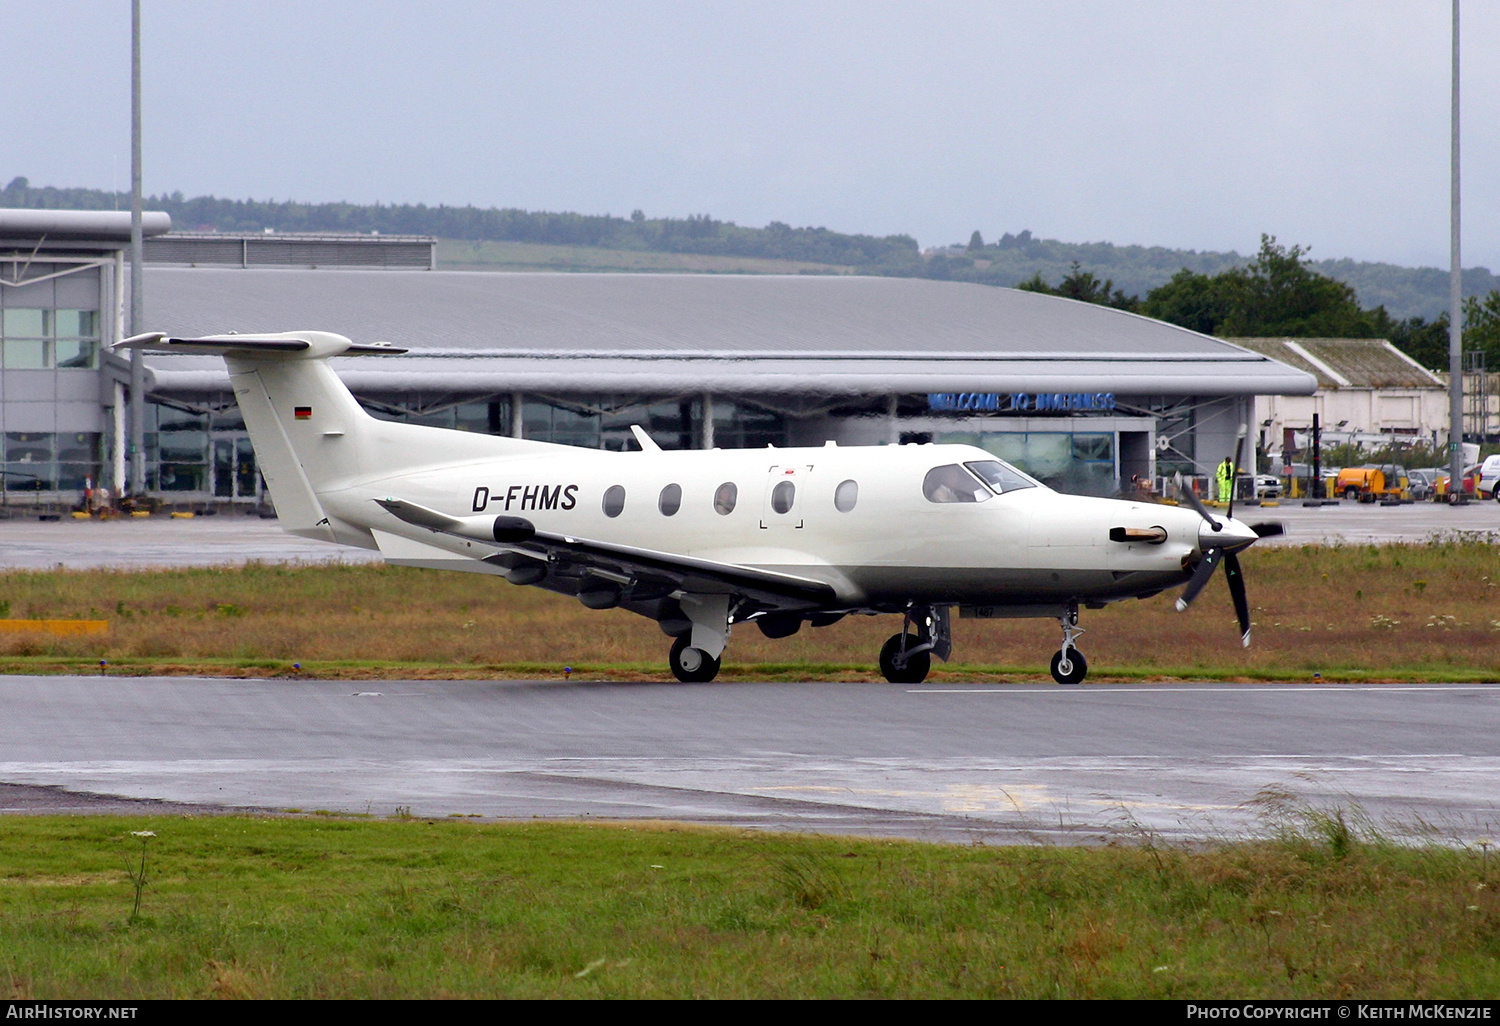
x=906 y=658
x=1068 y=665
x=692 y=665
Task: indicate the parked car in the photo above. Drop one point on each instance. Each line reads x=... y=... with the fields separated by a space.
x=1421 y=483
x=1441 y=484
x=1267 y=486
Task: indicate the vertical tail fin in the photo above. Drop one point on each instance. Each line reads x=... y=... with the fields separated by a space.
x=310 y=434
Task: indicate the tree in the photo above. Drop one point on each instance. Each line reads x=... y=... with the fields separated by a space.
x=976 y=241
x=1422 y=340
x=1084 y=286
x=1199 y=302
x=1278 y=294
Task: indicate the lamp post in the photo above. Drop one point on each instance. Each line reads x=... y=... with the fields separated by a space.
x=137 y=292
x=1455 y=308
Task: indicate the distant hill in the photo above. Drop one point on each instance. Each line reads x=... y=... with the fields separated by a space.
x=1135 y=270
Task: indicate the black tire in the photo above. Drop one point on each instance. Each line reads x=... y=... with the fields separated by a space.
x=1074 y=672
x=915 y=670
x=1351 y=493
x=696 y=668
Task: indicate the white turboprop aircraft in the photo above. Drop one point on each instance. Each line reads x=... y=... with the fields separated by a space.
x=702 y=540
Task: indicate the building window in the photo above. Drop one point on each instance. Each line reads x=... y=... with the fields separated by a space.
x=43 y=462
x=37 y=339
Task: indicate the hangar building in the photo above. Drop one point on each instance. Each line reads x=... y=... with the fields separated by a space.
x=1083 y=396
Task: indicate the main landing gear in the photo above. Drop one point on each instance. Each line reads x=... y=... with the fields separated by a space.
x=1068 y=665
x=906 y=658
x=691 y=665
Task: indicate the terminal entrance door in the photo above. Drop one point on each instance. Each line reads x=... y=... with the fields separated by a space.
x=235 y=473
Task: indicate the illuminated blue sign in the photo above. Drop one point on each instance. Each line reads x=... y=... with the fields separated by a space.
x=1019 y=402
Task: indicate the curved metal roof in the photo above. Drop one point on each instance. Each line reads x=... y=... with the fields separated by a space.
x=668 y=332
x=90 y=225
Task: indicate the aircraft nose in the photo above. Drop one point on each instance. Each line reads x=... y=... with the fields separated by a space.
x=1231 y=535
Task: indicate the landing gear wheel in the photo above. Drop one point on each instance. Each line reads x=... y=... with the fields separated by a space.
x=691 y=665
x=1071 y=670
x=917 y=664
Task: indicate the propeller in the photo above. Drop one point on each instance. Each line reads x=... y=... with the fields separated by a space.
x=1213 y=555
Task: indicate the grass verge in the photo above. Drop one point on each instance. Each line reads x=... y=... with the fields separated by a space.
x=1341 y=613
x=333 y=908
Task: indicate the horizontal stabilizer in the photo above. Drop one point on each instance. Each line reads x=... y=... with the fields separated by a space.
x=315 y=344
x=419 y=516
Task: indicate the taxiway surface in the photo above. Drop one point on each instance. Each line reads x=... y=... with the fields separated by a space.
x=994 y=764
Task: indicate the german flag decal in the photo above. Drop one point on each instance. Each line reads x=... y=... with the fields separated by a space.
x=302 y=412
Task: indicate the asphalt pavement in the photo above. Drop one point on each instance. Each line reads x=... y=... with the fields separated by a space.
x=996 y=764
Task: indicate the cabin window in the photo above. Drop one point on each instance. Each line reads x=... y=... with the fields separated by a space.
x=952 y=483
x=670 y=500
x=614 y=501
x=782 y=496
x=1002 y=477
x=845 y=496
x=725 y=497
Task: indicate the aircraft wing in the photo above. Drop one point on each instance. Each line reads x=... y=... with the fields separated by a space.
x=519 y=542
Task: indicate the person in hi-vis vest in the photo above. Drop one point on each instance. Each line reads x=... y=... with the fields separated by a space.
x=1225 y=478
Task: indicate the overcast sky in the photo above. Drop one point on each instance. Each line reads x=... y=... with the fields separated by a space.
x=1189 y=124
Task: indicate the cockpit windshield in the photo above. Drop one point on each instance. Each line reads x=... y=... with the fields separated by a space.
x=952 y=483
x=1002 y=477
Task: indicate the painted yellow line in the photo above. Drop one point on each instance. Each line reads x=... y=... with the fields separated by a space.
x=54 y=626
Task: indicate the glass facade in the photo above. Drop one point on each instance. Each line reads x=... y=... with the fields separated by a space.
x=46 y=461
x=41 y=338
x=595 y=422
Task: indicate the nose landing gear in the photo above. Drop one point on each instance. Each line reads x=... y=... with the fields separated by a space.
x=1068 y=665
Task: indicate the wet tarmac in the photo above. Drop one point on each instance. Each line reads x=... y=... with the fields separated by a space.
x=997 y=764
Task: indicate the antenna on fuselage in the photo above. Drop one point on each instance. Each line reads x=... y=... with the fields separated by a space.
x=648 y=444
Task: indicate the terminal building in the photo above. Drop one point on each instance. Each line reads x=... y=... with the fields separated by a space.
x=1085 y=397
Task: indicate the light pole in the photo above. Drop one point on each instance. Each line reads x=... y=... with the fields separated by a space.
x=1455 y=309
x=137 y=292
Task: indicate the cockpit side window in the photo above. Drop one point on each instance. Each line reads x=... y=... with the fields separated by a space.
x=952 y=483
x=1002 y=477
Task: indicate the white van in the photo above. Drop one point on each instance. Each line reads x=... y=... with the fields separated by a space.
x=1489 y=476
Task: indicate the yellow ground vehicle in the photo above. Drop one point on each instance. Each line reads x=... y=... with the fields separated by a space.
x=1371 y=482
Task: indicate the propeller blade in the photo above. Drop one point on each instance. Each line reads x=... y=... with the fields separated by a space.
x=1236 y=582
x=1211 y=558
x=1239 y=450
x=1268 y=530
x=1192 y=500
